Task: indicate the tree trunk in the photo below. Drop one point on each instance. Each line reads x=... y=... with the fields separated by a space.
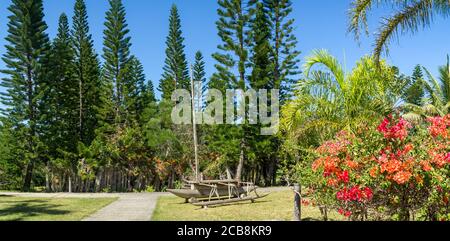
x=47 y=178
x=240 y=166
x=28 y=176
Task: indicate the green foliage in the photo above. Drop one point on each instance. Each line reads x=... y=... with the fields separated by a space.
x=87 y=75
x=327 y=102
x=116 y=53
x=437 y=96
x=137 y=96
x=176 y=74
x=416 y=92
x=199 y=75
x=25 y=57
x=233 y=57
x=284 y=53
x=60 y=102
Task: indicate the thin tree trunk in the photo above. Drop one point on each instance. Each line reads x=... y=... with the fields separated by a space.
x=241 y=164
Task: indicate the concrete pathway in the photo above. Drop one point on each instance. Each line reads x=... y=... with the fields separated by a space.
x=128 y=207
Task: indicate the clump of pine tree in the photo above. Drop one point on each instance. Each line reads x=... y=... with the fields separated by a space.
x=77 y=121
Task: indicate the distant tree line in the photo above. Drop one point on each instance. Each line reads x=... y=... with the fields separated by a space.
x=78 y=121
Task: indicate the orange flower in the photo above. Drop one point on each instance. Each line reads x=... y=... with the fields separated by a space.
x=391 y=166
x=317 y=164
x=330 y=164
x=332 y=182
x=407 y=165
x=402 y=177
x=426 y=166
x=374 y=172
x=351 y=164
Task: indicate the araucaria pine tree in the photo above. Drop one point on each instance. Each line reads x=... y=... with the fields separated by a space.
x=26 y=50
x=285 y=56
x=261 y=50
x=416 y=90
x=87 y=76
x=199 y=76
x=116 y=55
x=176 y=73
x=231 y=73
x=134 y=90
x=60 y=102
x=262 y=147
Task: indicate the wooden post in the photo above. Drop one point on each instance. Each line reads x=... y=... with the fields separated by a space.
x=194 y=128
x=70 y=184
x=297 y=202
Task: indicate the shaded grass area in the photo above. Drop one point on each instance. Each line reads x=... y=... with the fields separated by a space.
x=49 y=209
x=278 y=206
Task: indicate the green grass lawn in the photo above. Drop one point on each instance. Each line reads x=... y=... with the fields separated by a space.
x=49 y=209
x=278 y=206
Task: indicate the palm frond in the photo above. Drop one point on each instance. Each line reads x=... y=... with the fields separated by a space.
x=358 y=17
x=409 y=19
x=434 y=88
x=444 y=77
x=324 y=58
x=413 y=118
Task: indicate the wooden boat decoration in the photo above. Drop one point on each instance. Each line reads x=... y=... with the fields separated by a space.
x=203 y=190
x=218 y=192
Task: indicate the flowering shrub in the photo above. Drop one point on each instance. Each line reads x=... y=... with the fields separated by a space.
x=392 y=171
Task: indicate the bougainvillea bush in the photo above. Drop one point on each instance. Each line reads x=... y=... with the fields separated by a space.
x=390 y=171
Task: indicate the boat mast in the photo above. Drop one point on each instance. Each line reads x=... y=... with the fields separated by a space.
x=194 y=128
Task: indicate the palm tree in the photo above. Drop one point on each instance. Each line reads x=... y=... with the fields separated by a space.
x=409 y=18
x=437 y=102
x=330 y=100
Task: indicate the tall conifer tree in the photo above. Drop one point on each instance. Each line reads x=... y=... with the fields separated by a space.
x=176 y=73
x=284 y=46
x=261 y=77
x=116 y=55
x=60 y=98
x=199 y=76
x=87 y=75
x=26 y=50
x=134 y=89
x=416 y=90
x=231 y=71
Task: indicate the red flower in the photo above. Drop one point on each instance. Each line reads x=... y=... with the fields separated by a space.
x=447 y=158
x=344 y=177
x=397 y=131
x=355 y=194
x=368 y=192
x=439 y=126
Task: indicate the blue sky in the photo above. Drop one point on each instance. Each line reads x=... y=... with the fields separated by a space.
x=319 y=24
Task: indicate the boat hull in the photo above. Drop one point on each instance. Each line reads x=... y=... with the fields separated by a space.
x=204 y=192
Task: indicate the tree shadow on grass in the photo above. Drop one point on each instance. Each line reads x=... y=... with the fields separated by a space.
x=22 y=210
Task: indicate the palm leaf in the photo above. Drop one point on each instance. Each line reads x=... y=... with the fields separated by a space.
x=409 y=19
